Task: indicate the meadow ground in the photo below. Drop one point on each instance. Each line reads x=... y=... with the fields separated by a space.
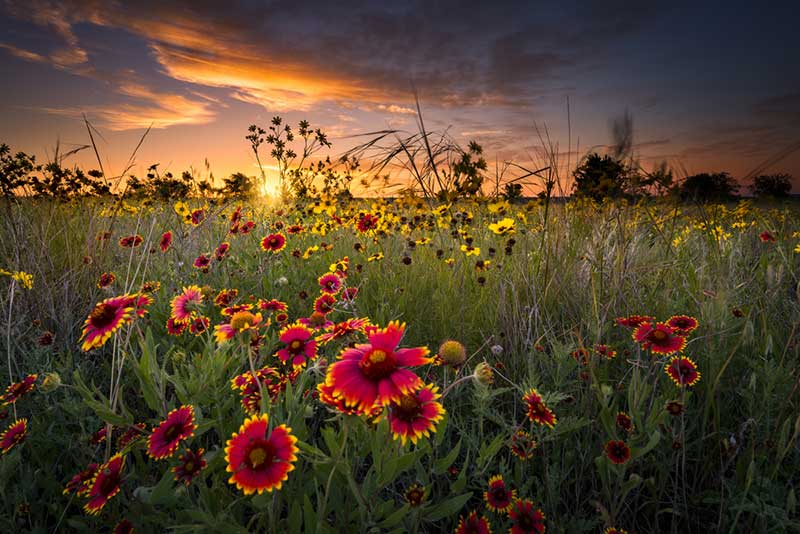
x=613 y=367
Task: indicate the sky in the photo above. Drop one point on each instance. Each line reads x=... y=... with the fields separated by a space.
x=710 y=86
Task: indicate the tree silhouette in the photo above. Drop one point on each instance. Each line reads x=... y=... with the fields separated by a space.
x=772 y=185
x=704 y=187
x=600 y=177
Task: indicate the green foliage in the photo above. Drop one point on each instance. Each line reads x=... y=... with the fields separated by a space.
x=728 y=464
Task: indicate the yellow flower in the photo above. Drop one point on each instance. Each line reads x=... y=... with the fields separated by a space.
x=376 y=257
x=503 y=227
x=797 y=248
x=499 y=207
x=469 y=250
x=423 y=241
x=309 y=251
x=25 y=279
x=181 y=209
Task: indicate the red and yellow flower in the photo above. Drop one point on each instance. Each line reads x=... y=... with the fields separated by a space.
x=618 y=451
x=300 y=347
x=659 y=338
x=273 y=243
x=105 y=484
x=242 y=321
x=683 y=325
x=166 y=241
x=106 y=318
x=414 y=495
x=473 y=524
x=81 y=482
x=415 y=414
x=525 y=519
x=184 y=306
x=330 y=283
x=260 y=460
x=342 y=329
x=377 y=372
x=167 y=436
x=537 y=411
x=498 y=497
x=14 y=435
x=16 y=390
x=191 y=463
x=683 y=371
x=522 y=445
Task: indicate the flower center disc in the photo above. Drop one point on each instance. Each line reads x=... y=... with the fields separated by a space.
x=295 y=346
x=260 y=456
x=377 y=364
x=658 y=335
x=103 y=315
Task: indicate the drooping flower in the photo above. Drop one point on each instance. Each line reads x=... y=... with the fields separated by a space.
x=615 y=530
x=166 y=241
x=525 y=519
x=683 y=371
x=225 y=297
x=175 y=328
x=199 y=325
x=473 y=524
x=538 y=412
x=605 y=351
x=191 y=463
x=81 y=482
x=14 y=435
x=618 y=451
x=18 y=389
x=316 y=321
x=132 y=434
x=185 y=306
x=624 y=421
x=300 y=347
x=415 y=414
x=106 y=279
x=634 y=321
x=231 y=310
x=683 y=325
x=131 y=241
x=498 y=497
x=197 y=217
x=325 y=393
x=659 y=338
x=168 y=435
x=105 y=484
x=202 y=262
x=376 y=372
x=273 y=243
x=522 y=445
x=272 y=383
x=340 y=330
x=106 y=318
x=766 y=237
x=272 y=305
x=414 y=495
x=258 y=460
x=124 y=527
x=221 y=251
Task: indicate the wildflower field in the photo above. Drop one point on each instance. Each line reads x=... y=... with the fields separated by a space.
x=399 y=366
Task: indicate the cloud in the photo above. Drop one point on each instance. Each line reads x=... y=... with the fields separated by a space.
x=149 y=108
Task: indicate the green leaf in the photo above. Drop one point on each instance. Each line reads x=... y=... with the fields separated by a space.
x=448 y=508
x=395 y=518
x=441 y=465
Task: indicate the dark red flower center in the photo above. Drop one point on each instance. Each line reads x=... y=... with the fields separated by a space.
x=658 y=336
x=296 y=346
x=377 y=364
x=408 y=408
x=260 y=455
x=173 y=431
x=109 y=481
x=103 y=315
x=499 y=494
